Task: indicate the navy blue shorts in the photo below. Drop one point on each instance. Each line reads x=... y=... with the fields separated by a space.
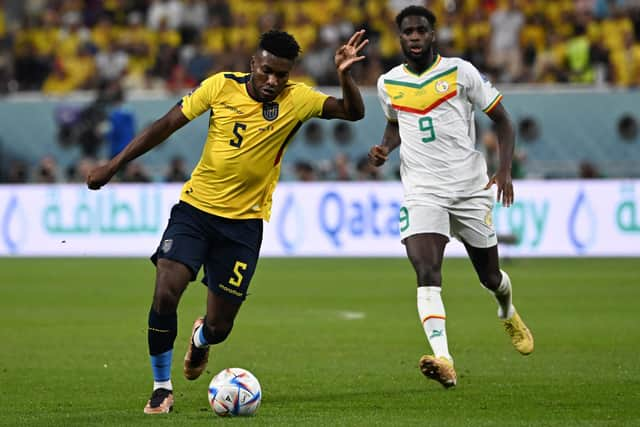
x=227 y=248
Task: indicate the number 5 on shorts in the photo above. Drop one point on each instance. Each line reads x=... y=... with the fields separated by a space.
x=236 y=281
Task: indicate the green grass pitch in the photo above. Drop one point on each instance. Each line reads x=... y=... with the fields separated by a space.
x=332 y=341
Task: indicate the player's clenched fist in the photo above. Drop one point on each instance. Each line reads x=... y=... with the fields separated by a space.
x=378 y=155
x=99 y=176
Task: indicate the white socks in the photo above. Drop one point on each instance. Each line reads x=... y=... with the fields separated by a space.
x=198 y=338
x=162 y=384
x=503 y=297
x=432 y=316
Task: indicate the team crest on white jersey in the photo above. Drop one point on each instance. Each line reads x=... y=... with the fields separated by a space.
x=442 y=86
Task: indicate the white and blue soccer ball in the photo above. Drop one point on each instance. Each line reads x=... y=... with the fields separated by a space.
x=234 y=392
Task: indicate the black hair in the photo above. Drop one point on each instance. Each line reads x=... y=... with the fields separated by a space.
x=416 y=11
x=280 y=44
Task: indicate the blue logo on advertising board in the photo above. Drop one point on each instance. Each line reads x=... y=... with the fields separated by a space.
x=341 y=219
x=13 y=227
x=290 y=226
x=582 y=224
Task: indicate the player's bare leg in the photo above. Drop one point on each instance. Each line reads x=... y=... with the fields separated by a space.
x=212 y=329
x=496 y=281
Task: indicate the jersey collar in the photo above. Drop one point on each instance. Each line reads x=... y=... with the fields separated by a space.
x=431 y=67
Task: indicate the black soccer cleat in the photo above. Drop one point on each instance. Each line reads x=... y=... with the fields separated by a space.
x=161 y=402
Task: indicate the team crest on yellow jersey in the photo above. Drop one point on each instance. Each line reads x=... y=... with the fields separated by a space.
x=270 y=110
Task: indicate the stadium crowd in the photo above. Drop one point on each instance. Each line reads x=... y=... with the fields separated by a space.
x=60 y=46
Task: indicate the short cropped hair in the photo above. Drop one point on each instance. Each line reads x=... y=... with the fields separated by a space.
x=416 y=11
x=280 y=44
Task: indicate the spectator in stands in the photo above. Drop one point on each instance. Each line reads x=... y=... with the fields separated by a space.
x=17 y=172
x=532 y=42
x=625 y=63
x=505 y=54
x=579 y=56
x=113 y=62
x=304 y=171
x=518 y=42
x=3 y=24
x=47 y=171
x=449 y=35
x=192 y=20
x=6 y=67
x=304 y=30
x=342 y=134
x=589 y=170
x=177 y=170
x=31 y=68
x=59 y=81
x=342 y=168
x=72 y=34
x=79 y=171
x=366 y=171
x=139 y=43
x=476 y=53
x=198 y=63
x=221 y=9
x=73 y=72
x=122 y=121
x=103 y=32
x=166 y=58
x=315 y=62
x=549 y=66
x=135 y=172
x=169 y=11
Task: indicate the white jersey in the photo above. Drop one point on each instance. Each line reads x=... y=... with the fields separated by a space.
x=434 y=111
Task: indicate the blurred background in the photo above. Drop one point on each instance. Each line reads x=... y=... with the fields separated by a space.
x=79 y=78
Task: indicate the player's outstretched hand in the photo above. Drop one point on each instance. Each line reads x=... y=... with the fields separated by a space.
x=348 y=54
x=99 y=176
x=505 y=187
x=378 y=155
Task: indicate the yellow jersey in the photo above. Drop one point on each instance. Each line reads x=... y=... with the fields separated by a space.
x=240 y=163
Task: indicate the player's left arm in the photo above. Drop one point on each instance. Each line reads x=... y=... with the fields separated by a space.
x=506 y=142
x=350 y=106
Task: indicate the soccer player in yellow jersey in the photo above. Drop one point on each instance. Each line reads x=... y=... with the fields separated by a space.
x=218 y=220
x=429 y=102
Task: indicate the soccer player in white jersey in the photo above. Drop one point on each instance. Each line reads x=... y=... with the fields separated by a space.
x=429 y=102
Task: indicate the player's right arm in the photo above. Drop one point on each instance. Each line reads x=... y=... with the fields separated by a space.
x=390 y=141
x=191 y=106
x=153 y=135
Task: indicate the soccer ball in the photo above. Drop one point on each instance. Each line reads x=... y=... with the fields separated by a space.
x=233 y=392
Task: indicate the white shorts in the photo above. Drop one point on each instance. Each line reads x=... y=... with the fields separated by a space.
x=466 y=218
